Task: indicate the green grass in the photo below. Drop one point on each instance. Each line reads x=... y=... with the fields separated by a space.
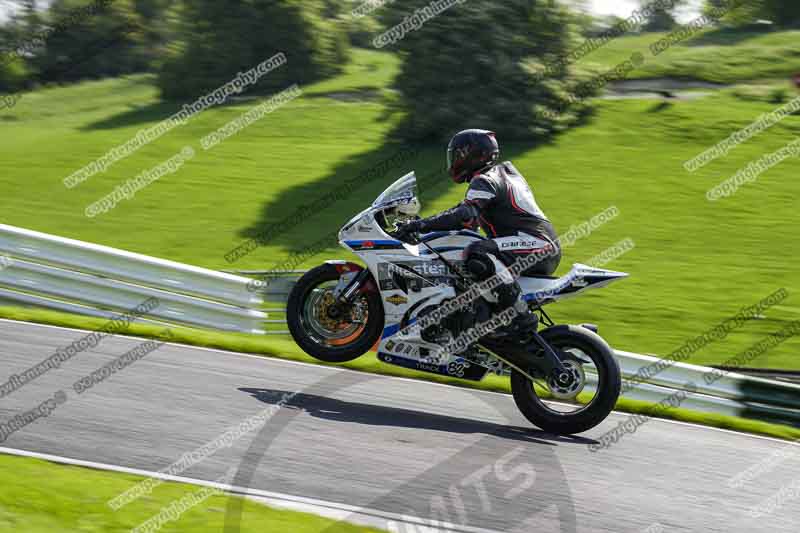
x=41 y=497
x=695 y=263
x=716 y=56
x=286 y=349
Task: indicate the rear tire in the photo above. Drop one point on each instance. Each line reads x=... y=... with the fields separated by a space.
x=348 y=348
x=608 y=385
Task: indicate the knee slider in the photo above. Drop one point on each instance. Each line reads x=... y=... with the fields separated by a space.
x=480 y=267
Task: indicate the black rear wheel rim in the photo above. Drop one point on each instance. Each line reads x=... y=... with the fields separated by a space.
x=574 y=398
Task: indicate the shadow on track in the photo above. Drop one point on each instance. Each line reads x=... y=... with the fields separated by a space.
x=376 y=415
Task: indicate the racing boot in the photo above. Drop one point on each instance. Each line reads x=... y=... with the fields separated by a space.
x=524 y=323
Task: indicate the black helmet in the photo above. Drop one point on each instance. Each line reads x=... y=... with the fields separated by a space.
x=471 y=151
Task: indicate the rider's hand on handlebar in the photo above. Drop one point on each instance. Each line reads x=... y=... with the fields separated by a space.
x=407 y=231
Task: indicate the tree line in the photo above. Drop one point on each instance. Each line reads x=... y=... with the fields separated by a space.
x=476 y=59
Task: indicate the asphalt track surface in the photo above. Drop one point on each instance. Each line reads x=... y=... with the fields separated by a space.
x=399 y=446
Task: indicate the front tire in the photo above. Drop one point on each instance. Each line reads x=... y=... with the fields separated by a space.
x=333 y=340
x=566 y=340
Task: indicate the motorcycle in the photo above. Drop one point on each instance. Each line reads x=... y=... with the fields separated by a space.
x=415 y=305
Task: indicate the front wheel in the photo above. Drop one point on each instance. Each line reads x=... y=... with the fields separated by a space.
x=322 y=328
x=584 y=400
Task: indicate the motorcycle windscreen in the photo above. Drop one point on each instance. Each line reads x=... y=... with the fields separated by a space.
x=403 y=189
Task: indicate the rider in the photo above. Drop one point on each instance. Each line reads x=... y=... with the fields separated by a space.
x=500 y=201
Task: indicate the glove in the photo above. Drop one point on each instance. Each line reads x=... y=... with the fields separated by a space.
x=406 y=231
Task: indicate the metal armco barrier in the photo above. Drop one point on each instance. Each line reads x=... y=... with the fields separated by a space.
x=84 y=278
x=278 y=283
x=717 y=391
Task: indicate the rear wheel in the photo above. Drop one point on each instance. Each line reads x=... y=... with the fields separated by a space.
x=325 y=330
x=583 y=400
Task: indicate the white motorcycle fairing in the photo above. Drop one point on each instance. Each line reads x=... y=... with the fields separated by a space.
x=413 y=280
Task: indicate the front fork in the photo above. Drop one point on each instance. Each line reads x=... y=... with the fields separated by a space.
x=350 y=286
x=353 y=281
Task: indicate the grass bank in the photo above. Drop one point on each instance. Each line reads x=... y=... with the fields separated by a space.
x=41 y=497
x=719 y=56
